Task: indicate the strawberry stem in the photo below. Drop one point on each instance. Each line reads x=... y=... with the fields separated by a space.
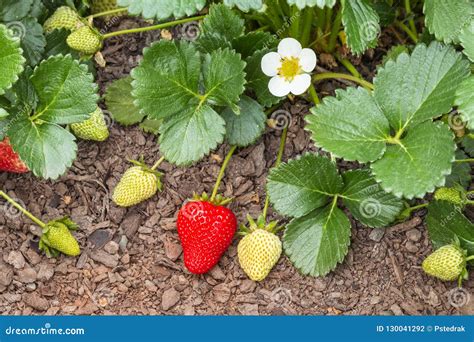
x=314 y=94
x=102 y=14
x=158 y=163
x=281 y=149
x=154 y=27
x=23 y=210
x=469 y=160
x=221 y=172
x=469 y=258
x=329 y=75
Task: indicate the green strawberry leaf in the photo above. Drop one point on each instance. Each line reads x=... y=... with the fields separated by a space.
x=465 y=101
x=361 y=25
x=446 y=18
x=467 y=40
x=244 y=129
x=245 y=5
x=311 y=3
x=3 y=114
x=223 y=78
x=151 y=126
x=171 y=83
x=461 y=172
x=302 y=185
x=248 y=44
x=393 y=53
x=223 y=21
x=258 y=81
x=26 y=96
x=367 y=201
x=419 y=162
x=14 y=10
x=317 y=242
x=120 y=102
x=46 y=148
x=445 y=221
x=421 y=86
x=33 y=42
x=167 y=80
x=211 y=42
x=219 y=28
x=11 y=59
x=162 y=9
x=360 y=131
x=187 y=137
x=66 y=90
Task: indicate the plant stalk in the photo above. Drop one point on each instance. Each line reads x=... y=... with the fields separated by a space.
x=222 y=171
x=349 y=66
x=407 y=30
x=102 y=14
x=158 y=163
x=154 y=27
x=336 y=27
x=468 y=160
x=336 y=75
x=314 y=94
x=411 y=22
x=281 y=150
x=23 y=210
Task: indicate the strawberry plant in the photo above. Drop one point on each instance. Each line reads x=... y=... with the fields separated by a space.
x=58 y=92
x=219 y=86
x=393 y=128
x=308 y=189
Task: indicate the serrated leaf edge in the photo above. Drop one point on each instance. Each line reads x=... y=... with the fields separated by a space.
x=20 y=67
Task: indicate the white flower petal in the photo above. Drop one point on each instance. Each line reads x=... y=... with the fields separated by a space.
x=270 y=64
x=308 y=60
x=289 y=47
x=279 y=87
x=300 y=84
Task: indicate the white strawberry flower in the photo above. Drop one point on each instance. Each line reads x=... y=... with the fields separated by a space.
x=289 y=68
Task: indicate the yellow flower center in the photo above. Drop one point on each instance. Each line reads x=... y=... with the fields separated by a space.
x=290 y=68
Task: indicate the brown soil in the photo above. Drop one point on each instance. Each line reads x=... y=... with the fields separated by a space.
x=132 y=261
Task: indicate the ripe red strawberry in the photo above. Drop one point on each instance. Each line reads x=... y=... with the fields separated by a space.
x=9 y=159
x=206 y=230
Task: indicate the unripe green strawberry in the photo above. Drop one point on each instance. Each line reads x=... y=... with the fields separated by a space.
x=260 y=248
x=57 y=237
x=99 y=6
x=137 y=184
x=94 y=128
x=447 y=263
x=85 y=40
x=64 y=17
x=449 y=194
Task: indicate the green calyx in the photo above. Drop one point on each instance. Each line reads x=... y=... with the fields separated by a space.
x=253 y=225
x=219 y=200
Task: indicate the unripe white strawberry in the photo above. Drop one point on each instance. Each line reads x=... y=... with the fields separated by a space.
x=260 y=248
